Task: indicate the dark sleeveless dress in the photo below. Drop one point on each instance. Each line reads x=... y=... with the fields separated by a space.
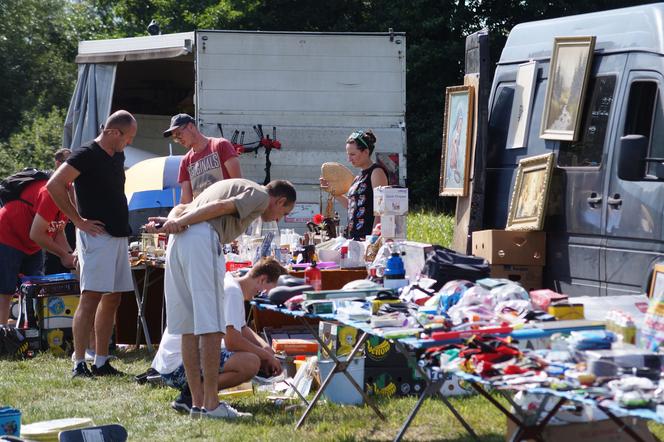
x=360 y=205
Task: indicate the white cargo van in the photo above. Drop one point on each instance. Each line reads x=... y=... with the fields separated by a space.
x=314 y=88
x=605 y=221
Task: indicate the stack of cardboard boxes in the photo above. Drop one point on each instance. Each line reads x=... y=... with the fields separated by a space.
x=514 y=255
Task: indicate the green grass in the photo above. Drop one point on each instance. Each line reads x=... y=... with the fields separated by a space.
x=42 y=389
x=430 y=228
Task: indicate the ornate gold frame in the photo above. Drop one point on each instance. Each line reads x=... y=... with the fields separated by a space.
x=533 y=178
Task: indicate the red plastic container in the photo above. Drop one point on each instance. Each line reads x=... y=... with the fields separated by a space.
x=232 y=266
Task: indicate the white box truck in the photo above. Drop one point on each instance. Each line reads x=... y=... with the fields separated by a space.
x=314 y=88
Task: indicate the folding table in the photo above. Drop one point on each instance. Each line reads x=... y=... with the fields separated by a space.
x=339 y=366
x=141 y=297
x=435 y=378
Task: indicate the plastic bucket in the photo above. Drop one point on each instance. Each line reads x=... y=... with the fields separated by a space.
x=10 y=421
x=340 y=390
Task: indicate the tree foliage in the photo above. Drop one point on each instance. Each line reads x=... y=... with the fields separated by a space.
x=38 y=40
x=35 y=144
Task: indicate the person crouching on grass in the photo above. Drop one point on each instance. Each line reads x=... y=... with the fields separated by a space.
x=243 y=352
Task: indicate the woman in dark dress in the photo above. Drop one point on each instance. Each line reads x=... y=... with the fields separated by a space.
x=359 y=198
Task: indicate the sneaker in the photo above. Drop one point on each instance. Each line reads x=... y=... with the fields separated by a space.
x=81 y=371
x=224 y=411
x=106 y=370
x=182 y=404
x=196 y=413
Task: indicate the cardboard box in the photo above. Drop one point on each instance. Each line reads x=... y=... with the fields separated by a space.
x=393 y=227
x=530 y=277
x=510 y=247
x=602 y=430
x=389 y=200
x=57 y=311
x=340 y=339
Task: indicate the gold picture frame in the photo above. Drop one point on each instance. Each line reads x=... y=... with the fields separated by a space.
x=571 y=62
x=530 y=193
x=457 y=145
x=657 y=282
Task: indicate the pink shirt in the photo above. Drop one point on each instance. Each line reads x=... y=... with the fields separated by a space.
x=207 y=166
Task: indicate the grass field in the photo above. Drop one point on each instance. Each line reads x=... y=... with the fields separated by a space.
x=42 y=389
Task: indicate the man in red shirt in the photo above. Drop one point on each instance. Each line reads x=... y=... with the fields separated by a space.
x=28 y=225
x=209 y=160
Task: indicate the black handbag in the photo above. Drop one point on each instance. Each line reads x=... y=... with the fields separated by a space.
x=445 y=265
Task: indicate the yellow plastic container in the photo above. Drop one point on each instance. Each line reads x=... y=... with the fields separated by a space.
x=567 y=311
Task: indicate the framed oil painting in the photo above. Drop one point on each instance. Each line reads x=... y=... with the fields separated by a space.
x=457 y=139
x=530 y=193
x=657 y=282
x=517 y=136
x=569 y=70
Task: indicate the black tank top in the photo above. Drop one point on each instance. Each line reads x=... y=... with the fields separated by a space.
x=360 y=205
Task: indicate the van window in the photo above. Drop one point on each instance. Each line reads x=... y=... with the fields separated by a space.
x=499 y=122
x=644 y=117
x=642 y=96
x=587 y=152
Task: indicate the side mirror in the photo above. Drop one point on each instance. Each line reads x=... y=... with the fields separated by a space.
x=631 y=157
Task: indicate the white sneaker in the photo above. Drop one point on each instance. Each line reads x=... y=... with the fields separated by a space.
x=224 y=411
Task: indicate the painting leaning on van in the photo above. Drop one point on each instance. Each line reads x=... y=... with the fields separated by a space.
x=568 y=77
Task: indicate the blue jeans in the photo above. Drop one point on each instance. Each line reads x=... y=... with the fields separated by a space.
x=14 y=262
x=178 y=379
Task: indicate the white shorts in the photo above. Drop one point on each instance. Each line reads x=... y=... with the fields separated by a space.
x=194 y=281
x=104 y=262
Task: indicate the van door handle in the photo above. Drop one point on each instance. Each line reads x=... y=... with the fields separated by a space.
x=594 y=199
x=615 y=201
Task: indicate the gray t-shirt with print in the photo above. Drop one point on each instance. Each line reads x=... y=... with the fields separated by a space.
x=250 y=199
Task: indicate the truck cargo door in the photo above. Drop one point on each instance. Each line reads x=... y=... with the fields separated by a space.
x=634 y=208
x=575 y=221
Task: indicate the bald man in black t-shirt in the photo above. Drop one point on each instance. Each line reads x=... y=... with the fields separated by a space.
x=102 y=223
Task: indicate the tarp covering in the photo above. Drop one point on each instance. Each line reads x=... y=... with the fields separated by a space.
x=90 y=105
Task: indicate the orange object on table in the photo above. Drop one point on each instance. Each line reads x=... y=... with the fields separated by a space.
x=295 y=346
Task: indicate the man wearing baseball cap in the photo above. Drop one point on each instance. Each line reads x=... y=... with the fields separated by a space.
x=209 y=159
